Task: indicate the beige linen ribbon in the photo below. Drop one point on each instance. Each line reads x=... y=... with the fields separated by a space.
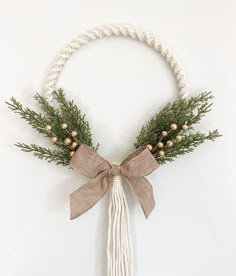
x=137 y=165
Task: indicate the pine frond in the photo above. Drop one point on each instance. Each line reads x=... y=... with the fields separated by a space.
x=59 y=157
x=181 y=112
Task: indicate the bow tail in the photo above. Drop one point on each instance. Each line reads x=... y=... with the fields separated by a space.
x=85 y=197
x=144 y=192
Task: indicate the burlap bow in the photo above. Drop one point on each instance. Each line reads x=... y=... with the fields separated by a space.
x=137 y=165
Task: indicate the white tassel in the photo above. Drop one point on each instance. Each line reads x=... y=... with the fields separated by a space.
x=119 y=247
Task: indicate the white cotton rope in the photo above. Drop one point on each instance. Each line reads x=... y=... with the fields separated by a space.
x=119 y=245
x=113 y=30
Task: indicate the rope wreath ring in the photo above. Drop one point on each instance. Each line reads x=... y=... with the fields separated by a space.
x=167 y=135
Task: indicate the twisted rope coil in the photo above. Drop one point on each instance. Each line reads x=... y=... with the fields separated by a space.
x=113 y=30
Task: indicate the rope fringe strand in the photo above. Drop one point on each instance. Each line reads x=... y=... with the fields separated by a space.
x=119 y=247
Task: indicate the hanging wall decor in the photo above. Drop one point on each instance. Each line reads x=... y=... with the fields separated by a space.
x=167 y=135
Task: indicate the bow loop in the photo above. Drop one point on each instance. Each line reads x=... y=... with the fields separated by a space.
x=137 y=165
x=88 y=162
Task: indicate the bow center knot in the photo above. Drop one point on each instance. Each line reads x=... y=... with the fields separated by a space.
x=115 y=170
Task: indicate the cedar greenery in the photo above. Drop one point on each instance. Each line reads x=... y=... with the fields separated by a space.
x=66 y=111
x=59 y=157
x=180 y=112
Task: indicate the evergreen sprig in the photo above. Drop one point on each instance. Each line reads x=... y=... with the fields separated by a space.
x=36 y=120
x=66 y=112
x=72 y=114
x=58 y=157
x=188 y=144
x=181 y=112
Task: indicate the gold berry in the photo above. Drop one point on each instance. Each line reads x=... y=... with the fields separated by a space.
x=164 y=133
x=48 y=127
x=173 y=127
x=160 y=145
x=54 y=139
x=169 y=143
x=150 y=147
x=72 y=153
x=184 y=127
x=64 y=126
x=74 y=133
x=178 y=138
x=74 y=145
x=67 y=141
x=161 y=153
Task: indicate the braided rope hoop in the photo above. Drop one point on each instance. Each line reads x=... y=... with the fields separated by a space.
x=106 y=31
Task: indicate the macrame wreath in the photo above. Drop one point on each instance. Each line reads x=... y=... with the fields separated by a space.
x=167 y=135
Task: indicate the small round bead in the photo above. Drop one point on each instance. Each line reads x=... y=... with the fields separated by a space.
x=67 y=141
x=161 y=153
x=164 y=133
x=169 y=143
x=54 y=139
x=173 y=127
x=74 y=145
x=74 y=133
x=150 y=147
x=184 y=127
x=64 y=126
x=48 y=127
x=72 y=153
x=160 y=145
x=178 y=138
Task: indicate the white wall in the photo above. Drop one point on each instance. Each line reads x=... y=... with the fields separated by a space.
x=191 y=230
